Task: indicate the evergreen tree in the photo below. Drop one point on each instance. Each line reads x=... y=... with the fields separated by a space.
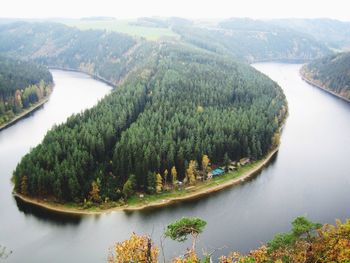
x=174 y=175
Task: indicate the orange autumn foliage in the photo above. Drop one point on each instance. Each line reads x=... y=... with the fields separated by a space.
x=330 y=243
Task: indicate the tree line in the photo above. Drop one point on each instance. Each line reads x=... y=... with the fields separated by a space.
x=21 y=85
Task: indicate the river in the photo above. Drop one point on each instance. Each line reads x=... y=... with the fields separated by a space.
x=309 y=176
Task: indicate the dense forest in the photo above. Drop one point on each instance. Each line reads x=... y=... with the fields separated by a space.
x=331 y=72
x=253 y=40
x=21 y=85
x=180 y=105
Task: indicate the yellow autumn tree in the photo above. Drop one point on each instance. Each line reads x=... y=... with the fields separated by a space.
x=24 y=185
x=95 y=192
x=135 y=249
x=190 y=256
x=205 y=163
x=275 y=140
x=173 y=175
x=191 y=172
x=18 y=101
x=159 y=183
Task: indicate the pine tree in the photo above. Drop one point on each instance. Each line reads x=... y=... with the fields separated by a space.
x=151 y=183
x=226 y=161
x=165 y=176
x=129 y=186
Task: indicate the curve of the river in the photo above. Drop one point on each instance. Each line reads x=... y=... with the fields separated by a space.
x=309 y=176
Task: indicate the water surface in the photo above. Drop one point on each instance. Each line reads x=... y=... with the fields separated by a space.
x=309 y=176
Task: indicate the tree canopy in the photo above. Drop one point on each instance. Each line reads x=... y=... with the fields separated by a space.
x=151 y=124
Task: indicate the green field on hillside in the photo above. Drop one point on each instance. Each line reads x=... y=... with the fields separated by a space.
x=124 y=26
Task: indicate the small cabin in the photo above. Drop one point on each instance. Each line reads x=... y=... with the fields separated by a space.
x=244 y=161
x=179 y=183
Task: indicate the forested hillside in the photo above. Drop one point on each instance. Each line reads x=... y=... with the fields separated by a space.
x=254 y=40
x=331 y=73
x=334 y=33
x=180 y=105
x=95 y=52
x=104 y=53
x=21 y=85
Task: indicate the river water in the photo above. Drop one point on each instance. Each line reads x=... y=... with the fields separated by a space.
x=309 y=176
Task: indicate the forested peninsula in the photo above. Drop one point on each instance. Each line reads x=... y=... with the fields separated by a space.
x=179 y=112
x=23 y=86
x=331 y=73
x=180 y=105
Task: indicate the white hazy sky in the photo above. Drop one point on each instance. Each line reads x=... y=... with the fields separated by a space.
x=337 y=9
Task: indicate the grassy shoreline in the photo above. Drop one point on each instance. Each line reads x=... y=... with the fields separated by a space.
x=163 y=199
x=317 y=85
x=26 y=112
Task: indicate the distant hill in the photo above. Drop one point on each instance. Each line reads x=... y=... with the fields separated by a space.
x=331 y=73
x=334 y=33
x=254 y=40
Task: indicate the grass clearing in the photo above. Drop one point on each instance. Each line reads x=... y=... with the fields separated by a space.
x=124 y=26
x=200 y=186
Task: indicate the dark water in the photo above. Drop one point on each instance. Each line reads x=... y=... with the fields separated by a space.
x=309 y=176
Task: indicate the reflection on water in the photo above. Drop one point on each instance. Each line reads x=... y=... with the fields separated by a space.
x=55 y=218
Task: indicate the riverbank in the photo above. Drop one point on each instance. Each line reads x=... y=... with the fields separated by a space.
x=164 y=199
x=26 y=112
x=318 y=85
x=94 y=76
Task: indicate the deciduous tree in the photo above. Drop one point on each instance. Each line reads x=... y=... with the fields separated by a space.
x=159 y=183
x=95 y=192
x=136 y=249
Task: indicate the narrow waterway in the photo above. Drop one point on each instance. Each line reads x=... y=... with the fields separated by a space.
x=309 y=176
